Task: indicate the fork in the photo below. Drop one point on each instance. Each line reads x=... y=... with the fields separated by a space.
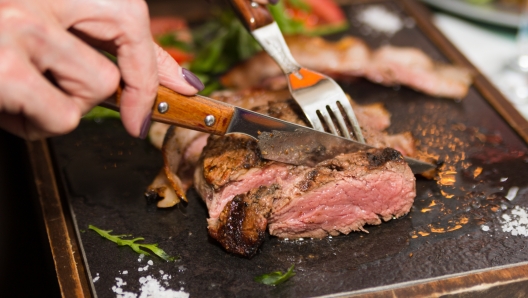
x=316 y=94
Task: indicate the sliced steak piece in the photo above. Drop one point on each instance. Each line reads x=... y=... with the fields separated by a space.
x=344 y=194
x=349 y=58
x=336 y=196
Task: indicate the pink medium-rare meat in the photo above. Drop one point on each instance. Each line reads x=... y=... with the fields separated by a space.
x=336 y=196
x=182 y=147
x=351 y=57
x=343 y=194
x=246 y=194
x=412 y=67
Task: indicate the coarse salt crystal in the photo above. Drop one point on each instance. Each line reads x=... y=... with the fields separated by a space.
x=150 y=262
x=125 y=272
x=512 y=193
x=380 y=19
x=485 y=228
x=95 y=279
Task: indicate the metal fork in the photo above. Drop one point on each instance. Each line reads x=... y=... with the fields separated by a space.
x=314 y=92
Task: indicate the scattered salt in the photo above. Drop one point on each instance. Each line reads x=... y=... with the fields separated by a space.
x=150 y=287
x=512 y=193
x=150 y=262
x=125 y=272
x=517 y=223
x=503 y=179
x=96 y=278
x=380 y=19
x=485 y=228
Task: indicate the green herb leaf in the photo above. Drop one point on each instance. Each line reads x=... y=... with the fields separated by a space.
x=299 y=4
x=290 y=26
x=169 y=40
x=100 y=112
x=275 y=278
x=137 y=247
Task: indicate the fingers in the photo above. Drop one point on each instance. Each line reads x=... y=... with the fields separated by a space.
x=174 y=77
x=80 y=71
x=125 y=24
x=30 y=106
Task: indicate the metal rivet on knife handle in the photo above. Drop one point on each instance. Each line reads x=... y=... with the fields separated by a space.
x=163 y=107
x=209 y=120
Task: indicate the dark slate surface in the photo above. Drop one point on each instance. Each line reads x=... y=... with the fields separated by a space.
x=105 y=173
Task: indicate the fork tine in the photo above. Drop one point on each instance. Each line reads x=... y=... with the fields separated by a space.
x=314 y=120
x=328 y=120
x=347 y=107
x=340 y=120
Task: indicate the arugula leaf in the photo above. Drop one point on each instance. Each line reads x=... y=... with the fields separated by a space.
x=132 y=243
x=275 y=278
x=169 y=40
x=300 y=4
x=223 y=42
x=287 y=25
x=100 y=112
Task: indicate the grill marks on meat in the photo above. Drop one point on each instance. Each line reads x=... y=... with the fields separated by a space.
x=350 y=57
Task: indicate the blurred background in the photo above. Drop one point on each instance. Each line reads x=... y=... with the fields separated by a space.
x=484 y=32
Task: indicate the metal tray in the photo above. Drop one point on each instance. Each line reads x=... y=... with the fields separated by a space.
x=98 y=174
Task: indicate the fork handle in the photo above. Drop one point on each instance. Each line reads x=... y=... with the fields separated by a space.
x=252 y=14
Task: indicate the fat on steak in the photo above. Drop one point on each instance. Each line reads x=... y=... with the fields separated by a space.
x=350 y=57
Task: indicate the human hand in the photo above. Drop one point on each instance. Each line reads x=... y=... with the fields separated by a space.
x=51 y=73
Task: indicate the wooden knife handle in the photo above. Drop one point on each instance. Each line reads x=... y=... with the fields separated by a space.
x=192 y=112
x=252 y=14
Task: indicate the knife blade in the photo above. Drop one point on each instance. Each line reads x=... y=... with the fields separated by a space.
x=277 y=139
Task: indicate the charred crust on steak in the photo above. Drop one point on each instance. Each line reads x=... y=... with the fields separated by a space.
x=377 y=158
x=241 y=227
x=226 y=156
x=287 y=110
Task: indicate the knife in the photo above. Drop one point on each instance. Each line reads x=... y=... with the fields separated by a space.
x=277 y=139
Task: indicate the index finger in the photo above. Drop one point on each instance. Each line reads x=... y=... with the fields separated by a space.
x=125 y=24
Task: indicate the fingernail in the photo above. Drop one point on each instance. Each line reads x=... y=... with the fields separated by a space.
x=145 y=127
x=192 y=79
x=273 y=1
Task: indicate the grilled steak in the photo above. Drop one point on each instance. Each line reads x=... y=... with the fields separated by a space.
x=246 y=195
x=350 y=58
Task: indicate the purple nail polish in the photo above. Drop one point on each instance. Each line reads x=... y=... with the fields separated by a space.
x=273 y=1
x=192 y=79
x=145 y=127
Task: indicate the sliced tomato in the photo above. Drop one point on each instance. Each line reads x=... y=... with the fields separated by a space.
x=322 y=14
